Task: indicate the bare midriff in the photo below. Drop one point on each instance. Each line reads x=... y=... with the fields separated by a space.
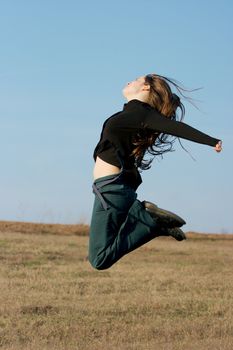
x=103 y=168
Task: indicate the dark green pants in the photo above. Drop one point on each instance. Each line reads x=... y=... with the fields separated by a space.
x=121 y=228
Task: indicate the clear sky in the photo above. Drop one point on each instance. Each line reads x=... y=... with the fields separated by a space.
x=63 y=65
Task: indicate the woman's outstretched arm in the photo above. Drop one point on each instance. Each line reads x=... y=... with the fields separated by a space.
x=163 y=124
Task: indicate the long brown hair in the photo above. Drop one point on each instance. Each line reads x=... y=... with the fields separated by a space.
x=167 y=103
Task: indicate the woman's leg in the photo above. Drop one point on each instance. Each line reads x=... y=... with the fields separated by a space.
x=125 y=226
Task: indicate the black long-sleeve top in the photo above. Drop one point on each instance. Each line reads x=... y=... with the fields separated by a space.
x=116 y=141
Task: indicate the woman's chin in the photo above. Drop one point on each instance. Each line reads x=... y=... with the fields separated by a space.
x=124 y=93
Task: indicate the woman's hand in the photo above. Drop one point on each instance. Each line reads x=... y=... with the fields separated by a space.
x=218 y=147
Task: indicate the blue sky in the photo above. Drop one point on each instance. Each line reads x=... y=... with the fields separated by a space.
x=63 y=65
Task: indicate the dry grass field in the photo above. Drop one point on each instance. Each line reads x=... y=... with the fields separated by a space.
x=167 y=295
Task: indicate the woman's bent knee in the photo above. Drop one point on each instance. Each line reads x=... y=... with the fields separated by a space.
x=99 y=263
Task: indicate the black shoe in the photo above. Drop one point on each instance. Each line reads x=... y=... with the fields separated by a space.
x=162 y=216
x=174 y=232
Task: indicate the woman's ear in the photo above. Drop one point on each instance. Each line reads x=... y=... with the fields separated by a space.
x=146 y=87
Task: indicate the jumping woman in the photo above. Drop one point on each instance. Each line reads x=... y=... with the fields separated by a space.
x=120 y=222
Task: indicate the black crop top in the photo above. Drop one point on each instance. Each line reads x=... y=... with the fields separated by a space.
x=116 y=141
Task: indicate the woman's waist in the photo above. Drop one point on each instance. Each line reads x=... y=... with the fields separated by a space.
x=102 y=169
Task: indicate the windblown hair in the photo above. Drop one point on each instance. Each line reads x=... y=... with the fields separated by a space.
x=168 y=104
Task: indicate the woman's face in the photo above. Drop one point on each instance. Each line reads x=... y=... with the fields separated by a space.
x=134 y=87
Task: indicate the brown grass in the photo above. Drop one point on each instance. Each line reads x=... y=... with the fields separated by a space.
x=167 y=295
x=38 y=228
